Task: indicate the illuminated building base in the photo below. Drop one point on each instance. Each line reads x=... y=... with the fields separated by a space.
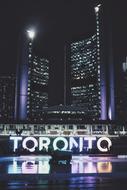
x=81 y=144
x=78 y=138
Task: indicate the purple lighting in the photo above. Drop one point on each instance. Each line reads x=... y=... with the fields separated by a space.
x=103 y=103
x=22 y=80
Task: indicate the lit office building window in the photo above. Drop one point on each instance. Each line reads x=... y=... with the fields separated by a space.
x=7 y=97
x=31 y=82
x=85 y=76
x=38 y=76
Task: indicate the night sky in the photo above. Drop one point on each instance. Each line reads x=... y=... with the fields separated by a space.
x=56 y=22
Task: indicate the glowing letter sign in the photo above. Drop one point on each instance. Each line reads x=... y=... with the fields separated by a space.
x=16 y=139
x=60 y=139
x=90 y=139
x=99 y=144
x=44 y=142
x=68 y=143
x=73 y=143
x=24 y=143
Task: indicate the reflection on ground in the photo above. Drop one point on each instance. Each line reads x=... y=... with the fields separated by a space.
x=78 y=165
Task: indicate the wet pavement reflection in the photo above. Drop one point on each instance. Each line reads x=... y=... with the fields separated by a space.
x=78 y=165
x=63 y=176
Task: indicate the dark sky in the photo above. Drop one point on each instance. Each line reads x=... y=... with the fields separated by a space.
x=56 y=21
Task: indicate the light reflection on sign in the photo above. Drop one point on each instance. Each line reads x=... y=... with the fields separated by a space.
x=41 y=165
x=104 y=167
x=29 y=167
x=91 y=167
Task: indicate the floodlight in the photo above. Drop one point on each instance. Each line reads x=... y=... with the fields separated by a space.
x=31 y=34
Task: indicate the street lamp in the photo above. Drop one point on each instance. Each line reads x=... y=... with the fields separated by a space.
x=97 y=8
x=31 y=34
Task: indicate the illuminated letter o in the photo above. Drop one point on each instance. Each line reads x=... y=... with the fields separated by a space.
x=30 y=139
x=99 y=144
x=60 y=139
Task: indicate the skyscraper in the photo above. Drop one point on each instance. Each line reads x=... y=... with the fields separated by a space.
x=90 y=63
x=7 y=97
x=32 y=82
x=85 y=76
x=38 y=76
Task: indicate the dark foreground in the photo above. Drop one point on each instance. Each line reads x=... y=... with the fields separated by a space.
x=69 y=183
x=84 y=173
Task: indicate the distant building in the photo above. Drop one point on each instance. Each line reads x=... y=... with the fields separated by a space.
x=121 y=89
x=7 y=97
x=125 y=89
x=32 y=83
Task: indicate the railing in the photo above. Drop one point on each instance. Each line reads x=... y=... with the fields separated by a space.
x=61 y=130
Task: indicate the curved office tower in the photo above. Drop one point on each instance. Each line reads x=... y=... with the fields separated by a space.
x=85 y=77
x=90 y=62
x=31 y=82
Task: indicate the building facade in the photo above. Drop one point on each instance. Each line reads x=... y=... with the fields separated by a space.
x=91 y=68
x=38 y=76
x=32 y=83
x=88 y=74
x=85 y=76
x=7 y=97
